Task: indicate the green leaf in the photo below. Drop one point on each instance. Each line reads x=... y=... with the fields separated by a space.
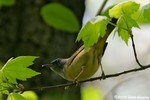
x=15 y=96
x=123 y=29
x=92 y=30
x=30 y=95
x=17 y=69
x=60 y=17
x=146 y=11
x=140 y=18
x=7 y=2
x=106 y=12
x=88 y=91
x=125 y=24
x=128 y=7
x=130 y=21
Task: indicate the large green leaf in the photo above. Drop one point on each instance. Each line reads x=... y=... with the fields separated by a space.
x=125 y=24
x=123 y=29
x=7 y=2
x=128 y=7
x=17 y=69
x=15 y=96
x=146 y=11
x=60 y=17
x=92 y=30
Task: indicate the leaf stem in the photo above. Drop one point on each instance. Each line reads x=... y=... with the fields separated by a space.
x=117 y=26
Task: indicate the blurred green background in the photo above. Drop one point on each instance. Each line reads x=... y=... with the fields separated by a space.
x=23 y=32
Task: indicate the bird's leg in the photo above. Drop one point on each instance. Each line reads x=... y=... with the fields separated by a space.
x=76 y=78
x=103 y=74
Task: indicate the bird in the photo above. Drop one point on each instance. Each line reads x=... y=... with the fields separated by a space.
x=84 y=63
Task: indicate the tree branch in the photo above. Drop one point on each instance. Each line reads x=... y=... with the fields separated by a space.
x=91 y=79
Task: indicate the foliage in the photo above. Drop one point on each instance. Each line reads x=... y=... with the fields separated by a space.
x=146 y=11
x=30 y=95
x=89 y=91
x=128 y=7
x=15 y=69
x=15 y=96
x=60 y=17
x=125 y=22
x=7 y=2
x=94 y=29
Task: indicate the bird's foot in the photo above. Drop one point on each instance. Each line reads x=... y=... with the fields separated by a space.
x=76 y=82
x=103 y=75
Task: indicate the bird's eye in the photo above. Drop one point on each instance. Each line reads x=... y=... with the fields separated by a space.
x=58 y=62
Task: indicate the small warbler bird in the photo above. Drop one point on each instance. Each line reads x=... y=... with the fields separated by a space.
x=83 y=63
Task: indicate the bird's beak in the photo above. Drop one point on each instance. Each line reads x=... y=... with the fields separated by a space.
x=47 y=65
x=51 y=64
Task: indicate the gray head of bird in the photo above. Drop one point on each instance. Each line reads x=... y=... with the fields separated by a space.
x=57 y=66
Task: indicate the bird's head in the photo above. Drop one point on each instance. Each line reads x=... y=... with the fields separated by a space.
x=57 y=66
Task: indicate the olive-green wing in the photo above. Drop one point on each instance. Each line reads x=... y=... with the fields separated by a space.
x=70 y=60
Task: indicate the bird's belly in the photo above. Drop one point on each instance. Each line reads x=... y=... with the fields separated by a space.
x=86 y=65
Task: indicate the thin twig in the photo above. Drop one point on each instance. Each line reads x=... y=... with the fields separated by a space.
x=102 y=7
x=135 y=54
x=134 y=50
